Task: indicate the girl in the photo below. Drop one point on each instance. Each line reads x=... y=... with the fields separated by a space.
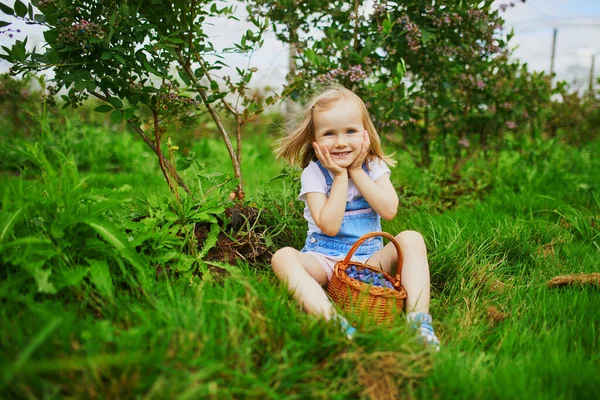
x=346 y=189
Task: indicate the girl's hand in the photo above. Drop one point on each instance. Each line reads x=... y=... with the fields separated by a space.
x=364 y=151
x=326 y=160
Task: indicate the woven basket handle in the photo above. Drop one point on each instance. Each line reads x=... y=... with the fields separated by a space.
x=386 y=235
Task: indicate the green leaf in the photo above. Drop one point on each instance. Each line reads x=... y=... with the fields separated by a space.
x=106 y=55
x=80 y=85
x=20 y=8
x=37 y=241
x=104 y=108
x=214 y=97
x=119 y=242
x=119 y=59
x=400 y=69
x=115 y=102
x=311 y=56
x=41 y=277
x=203 y=217
x=4 y=23
x=426 y=36
x=8 y=225
x=175 y=40
x=124 y=9
x=387 y=26
x=149 y=68
x=18 y=51
x=184 y=77
x=57 y=230
x=101 y=278
x=51 y=36
x=75 y=276
x=211 y=240
x=116 y=116
x=6 y=9
x=128 y=113
x=41 y=18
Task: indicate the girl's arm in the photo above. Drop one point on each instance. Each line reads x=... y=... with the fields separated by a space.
x=328 y=212
x=380 y=194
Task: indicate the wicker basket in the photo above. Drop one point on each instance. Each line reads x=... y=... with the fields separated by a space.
x=357 y=298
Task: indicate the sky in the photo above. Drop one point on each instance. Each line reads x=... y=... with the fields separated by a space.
x=578 y=36
x=577 y=23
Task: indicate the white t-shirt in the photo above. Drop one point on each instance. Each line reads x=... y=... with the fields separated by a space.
x=313 y=180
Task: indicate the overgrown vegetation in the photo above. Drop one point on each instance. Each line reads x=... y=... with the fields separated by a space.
x=126 y=54
x=106 y=291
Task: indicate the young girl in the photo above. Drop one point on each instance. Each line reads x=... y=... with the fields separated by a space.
x=346 y=189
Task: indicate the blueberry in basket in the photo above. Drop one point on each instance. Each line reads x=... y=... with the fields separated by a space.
x=369 y=277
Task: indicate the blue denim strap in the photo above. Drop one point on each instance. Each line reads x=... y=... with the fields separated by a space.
x=328 y=178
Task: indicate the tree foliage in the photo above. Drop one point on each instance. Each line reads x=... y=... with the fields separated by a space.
x=143 y=53
x=430 y=72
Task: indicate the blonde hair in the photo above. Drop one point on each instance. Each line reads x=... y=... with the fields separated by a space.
x=296 y=146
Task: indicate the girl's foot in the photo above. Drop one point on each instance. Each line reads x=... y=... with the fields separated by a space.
x=348 y=329
x=421 y=323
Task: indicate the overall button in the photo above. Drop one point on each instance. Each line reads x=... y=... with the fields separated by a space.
x=312 y=240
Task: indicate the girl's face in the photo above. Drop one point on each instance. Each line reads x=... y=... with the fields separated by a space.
x=340 y=129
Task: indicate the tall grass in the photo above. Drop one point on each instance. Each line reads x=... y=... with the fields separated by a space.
x=112 y=327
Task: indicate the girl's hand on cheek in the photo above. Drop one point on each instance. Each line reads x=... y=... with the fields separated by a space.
x=325 y=157
x=364 y=151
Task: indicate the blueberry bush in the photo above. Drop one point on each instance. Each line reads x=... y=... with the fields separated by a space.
x=144 y=55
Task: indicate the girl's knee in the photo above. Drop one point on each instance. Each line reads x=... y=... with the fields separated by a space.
x=282 y=257
x=411 y=240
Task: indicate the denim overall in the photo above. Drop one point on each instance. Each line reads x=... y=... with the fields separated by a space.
x=359 y=219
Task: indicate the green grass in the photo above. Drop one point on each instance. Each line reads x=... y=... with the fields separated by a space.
x=106 y=332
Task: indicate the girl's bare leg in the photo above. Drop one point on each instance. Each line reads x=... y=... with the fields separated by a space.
x=415 y=270
x=305 y=278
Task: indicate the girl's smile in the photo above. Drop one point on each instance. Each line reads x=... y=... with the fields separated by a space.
x=341 y=154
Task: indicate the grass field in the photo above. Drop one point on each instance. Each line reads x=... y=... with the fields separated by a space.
x=85 y=313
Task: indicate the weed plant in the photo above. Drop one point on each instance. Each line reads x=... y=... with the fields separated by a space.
x=86 y=219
